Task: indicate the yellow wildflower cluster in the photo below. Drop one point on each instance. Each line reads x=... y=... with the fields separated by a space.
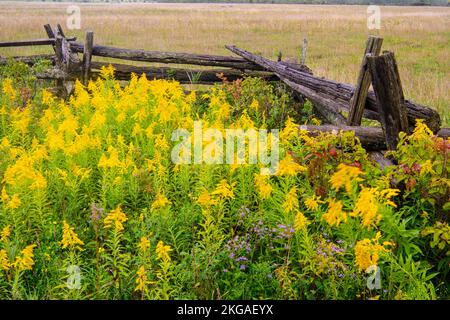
x=70 y=238
x=291 y=201
x=289 y=167
x=115 y=219
x=367 y=252
x=263 y=186
x=335 y=215
x=300 y=221
x=162 y=251
x=345 y=177
x=25 y=262
x=224 y=189
x=144 y=244
x=5 y=233
x=160 y=201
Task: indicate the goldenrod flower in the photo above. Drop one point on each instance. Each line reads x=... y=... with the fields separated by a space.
x=335 y=215
x=4 y=261
x=14 y=203
x=6 y=232
x=290 y=130
x=224 y=190
x=8 y=89
x=70 y=238
x=312 y=203
x=144 y=244
x=263 y=186
x=366 y=207
x=367 y=252
x=142 y=280
x=387 y=194
x=300 y=221
x=289 y=167
x=162 y=251
x=291 y=201
x=344 y=177
x=25 y=262
x=205 y=199
x=160 y=201
x=107 y=72
x=115 y=219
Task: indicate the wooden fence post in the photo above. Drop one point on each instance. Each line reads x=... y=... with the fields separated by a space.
x=389 y=95
x=87 y=56
x=358 y=100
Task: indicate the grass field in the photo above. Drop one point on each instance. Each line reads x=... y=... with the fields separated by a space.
x=420 y=36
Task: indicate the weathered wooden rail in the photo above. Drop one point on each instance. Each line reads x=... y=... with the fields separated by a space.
x=331 y=99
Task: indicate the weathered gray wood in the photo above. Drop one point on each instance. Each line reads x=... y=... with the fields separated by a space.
x=49 y=31
x=339 y=92
x=60 y=30
x=321 y=104
x=444 y=133
x=24 y=43
x=389 y=93
x=358 y=100
x=87 y=55
x=176 y=58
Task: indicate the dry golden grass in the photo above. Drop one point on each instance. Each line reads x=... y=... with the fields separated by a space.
x=420 y=36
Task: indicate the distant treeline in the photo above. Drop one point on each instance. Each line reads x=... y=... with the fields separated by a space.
x=365 y=2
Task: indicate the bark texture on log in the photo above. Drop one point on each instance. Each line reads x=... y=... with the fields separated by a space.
x=338 y=92
x=176 y=58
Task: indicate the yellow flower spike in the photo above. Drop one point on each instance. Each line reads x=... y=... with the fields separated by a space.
x=107 y=72
x=224 y=190
x=344 y=177
x=5 y=233
x=366 y=207
x=4 y=196
x=263 y=186
x=8 y=89
x=4 y=261
x=205 y=199
x=14 y=203
x=25 y=262
x=289 y=167
x=290 y=131
x=291 y=201
x=144 y=244
x=300 y=221
x=367 y=252
x=335 y=215
x=312 y=203
x=115 y=219
x=70 y=238
x=160 y=201
x=162 y=251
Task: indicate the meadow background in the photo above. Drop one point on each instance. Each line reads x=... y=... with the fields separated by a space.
x=419 y=36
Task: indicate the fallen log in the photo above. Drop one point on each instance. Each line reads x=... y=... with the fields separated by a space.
x=178 y=58
x=338 y=92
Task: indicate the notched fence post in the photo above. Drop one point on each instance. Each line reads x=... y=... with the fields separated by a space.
x=389 y=95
